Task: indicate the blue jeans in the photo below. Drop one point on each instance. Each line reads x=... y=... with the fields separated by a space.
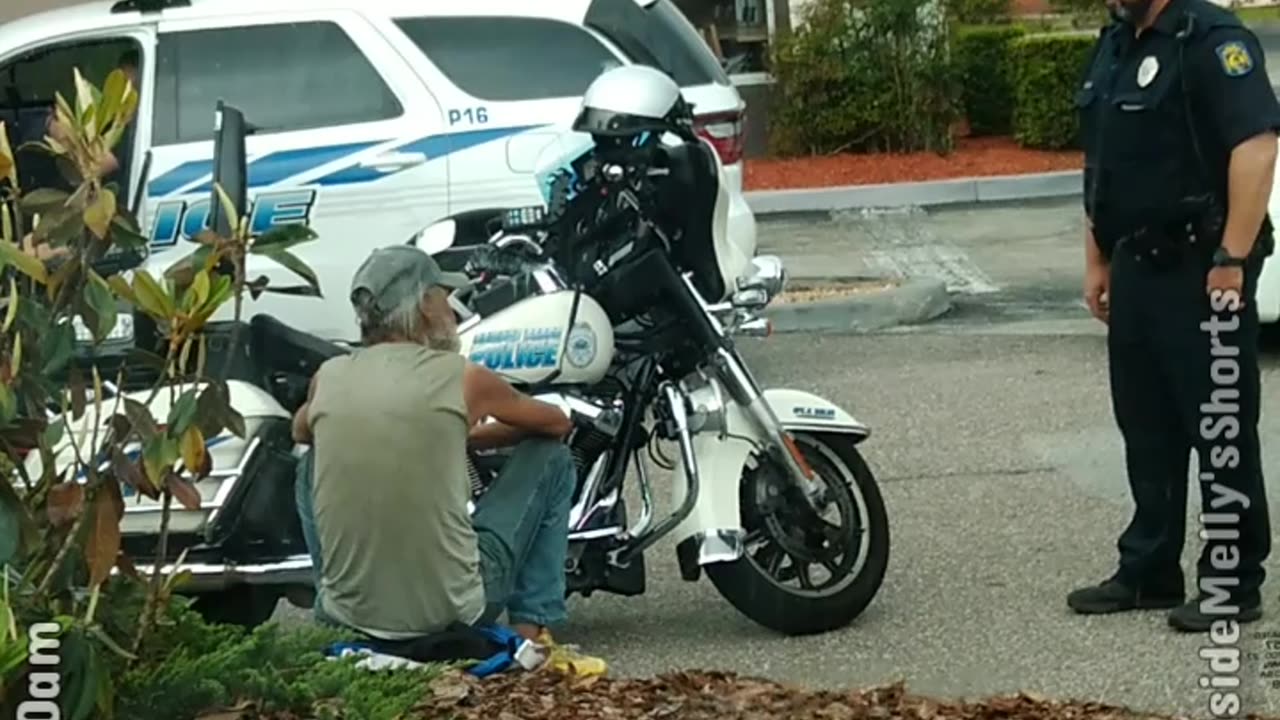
x=522 y=529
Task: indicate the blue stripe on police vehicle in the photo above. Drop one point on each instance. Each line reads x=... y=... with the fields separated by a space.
x=181 y=219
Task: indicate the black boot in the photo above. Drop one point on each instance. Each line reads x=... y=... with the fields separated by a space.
x=1114 y=596
x=1199 y=616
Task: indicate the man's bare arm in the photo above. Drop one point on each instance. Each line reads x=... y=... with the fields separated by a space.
x=1250 y=175
x=302 y=426
x=488 y=395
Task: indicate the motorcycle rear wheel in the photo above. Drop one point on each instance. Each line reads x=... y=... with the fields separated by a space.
x=854 y=554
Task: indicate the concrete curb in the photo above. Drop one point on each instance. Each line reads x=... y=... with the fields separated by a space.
x=960 y=191
x=914 y=301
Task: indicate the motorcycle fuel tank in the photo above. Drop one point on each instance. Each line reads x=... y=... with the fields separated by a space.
x=526 y=342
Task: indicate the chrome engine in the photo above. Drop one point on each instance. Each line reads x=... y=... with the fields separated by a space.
x=596 y=426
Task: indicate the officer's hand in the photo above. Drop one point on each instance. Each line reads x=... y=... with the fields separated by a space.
x=1097 y=288
x=1225 y=287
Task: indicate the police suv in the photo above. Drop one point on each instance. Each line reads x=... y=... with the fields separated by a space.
x=370 y=119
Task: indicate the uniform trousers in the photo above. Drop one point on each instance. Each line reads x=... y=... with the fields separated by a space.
x=1184 y=375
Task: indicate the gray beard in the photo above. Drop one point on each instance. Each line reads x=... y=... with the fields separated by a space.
x=445 y=343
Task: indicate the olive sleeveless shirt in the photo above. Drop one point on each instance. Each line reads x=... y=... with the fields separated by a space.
x=399 y=552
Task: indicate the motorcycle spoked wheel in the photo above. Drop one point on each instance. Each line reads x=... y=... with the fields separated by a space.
x=802 y=573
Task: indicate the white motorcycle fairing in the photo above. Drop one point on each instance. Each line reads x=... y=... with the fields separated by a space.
x=714 y=526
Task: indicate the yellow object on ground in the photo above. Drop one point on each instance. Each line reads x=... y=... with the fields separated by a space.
x=567 y=659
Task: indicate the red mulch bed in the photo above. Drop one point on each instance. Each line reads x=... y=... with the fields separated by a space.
x=971 y=157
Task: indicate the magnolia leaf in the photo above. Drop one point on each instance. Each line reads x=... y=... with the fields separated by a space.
x=97 y=217
x=151 y=297
x=113 y=96
x=65 y=503
x=183 y=491
x=211 y=410
x=125 y=233
x=282 y=237
x=140 y=419
x=53 y=434
x=11 y=254
x=11 y=313
x=125 y=564
x=60 y=226
x=8 y=405
x=57 y=347
x=200 y=288
x=129 y=473
x=182 y=414
x=193 y=451
x=15 y=360
x=8 y=167
x=122 y=290
x=294 y=290
x=61 y=276
x=44 y=200
x=104 y=543
x=103 y=304
x=158 y=455
x=297 y=266
x=228 y=207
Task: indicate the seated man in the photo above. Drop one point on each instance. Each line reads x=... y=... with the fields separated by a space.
x=399 y=556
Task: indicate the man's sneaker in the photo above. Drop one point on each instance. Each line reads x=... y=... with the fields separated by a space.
x=1192 y=618
x=567 y=659
x=1114 y=596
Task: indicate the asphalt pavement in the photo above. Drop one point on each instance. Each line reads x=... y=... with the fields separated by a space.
x=1002 y=471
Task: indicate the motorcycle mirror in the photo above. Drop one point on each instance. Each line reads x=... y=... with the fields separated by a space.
x=229 y=171
x=436 y=236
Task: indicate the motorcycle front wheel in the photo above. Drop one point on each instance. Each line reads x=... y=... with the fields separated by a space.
x=802 y=573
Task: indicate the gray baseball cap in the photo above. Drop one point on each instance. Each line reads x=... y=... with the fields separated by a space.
x=390 y=274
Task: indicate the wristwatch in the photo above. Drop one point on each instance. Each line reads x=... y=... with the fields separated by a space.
x=1222 y=258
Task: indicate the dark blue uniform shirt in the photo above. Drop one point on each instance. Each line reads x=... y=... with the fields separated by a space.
x=1161 y=112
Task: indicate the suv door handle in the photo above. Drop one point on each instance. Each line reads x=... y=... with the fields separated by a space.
x=388 y=162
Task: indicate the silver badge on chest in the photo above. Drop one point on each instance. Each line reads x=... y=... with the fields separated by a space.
x=1147 y=70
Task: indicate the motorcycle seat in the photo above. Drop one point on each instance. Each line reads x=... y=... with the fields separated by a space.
x=280 y=348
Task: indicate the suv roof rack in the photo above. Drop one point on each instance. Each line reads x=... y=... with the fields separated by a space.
x=124 y=6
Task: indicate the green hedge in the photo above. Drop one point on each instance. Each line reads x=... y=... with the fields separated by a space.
x=986 y=85
x=864 y=76
x=1046 y=74
x=974 y=12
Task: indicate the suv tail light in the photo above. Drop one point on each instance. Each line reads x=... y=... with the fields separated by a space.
x=725 y=131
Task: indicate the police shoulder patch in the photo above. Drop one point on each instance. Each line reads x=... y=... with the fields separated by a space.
x=1234 y=58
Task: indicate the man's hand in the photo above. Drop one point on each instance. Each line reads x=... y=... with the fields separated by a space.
x=1097 y=290
x=1226 y=279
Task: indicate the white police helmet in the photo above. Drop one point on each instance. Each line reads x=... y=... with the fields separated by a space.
x=629 y=100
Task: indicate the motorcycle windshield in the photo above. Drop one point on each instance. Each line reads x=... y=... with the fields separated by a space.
x=561 y=158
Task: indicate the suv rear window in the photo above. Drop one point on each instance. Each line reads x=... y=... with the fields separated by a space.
x=511 y=58
x=659 y=36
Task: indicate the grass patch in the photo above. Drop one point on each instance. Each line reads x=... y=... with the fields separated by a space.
x=1259 y=15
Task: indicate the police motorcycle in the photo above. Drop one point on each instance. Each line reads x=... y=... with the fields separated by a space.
x=618 y=301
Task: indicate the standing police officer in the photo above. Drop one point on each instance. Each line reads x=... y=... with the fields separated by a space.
x=1179 y=124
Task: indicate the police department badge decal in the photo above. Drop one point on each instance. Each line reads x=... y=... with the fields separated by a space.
x=1235 y=58
x=582 y=346
x=1147 y=70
